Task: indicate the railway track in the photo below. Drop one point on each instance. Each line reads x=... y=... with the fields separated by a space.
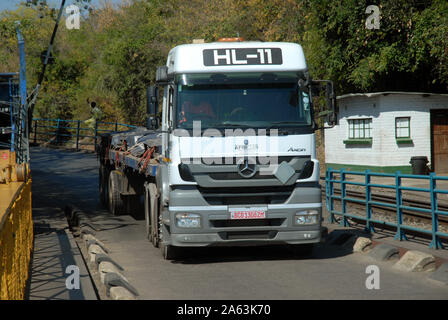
x=417 y=203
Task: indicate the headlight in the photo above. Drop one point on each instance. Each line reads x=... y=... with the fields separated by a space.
x=188 y=220
x=306 y=217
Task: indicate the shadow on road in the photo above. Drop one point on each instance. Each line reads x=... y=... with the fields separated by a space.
x=258 y=253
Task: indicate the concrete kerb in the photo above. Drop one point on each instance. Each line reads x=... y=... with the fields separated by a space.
x=106 y=267
x=93 y=250
x=410 y=261
x=416 y=261
x=362 y=244
x=384 y=252
x=93 y=240
x=113 y=279
x=117 y=286
x=99 y=257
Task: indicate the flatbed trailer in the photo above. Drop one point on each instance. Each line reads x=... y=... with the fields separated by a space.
x=120 y=158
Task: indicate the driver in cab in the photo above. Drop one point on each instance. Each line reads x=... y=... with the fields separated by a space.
x=195 y=109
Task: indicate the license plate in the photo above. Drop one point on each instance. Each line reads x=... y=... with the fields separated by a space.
x=248 y=213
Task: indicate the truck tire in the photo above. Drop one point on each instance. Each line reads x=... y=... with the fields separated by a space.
x=116 y=204
x=147 y=212
x=152 y=214
x=103 y=183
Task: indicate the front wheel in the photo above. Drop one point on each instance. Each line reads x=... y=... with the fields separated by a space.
x=152 y=214
x=148 y=214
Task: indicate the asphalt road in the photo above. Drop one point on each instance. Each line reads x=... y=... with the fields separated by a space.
x=64 y=177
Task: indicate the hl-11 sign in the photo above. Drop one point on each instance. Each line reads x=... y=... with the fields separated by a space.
x=242 y=56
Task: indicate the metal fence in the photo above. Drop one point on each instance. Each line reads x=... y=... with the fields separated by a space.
x=434 y=212
x=58 y=131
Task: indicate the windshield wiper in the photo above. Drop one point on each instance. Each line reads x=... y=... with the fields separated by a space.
x=275 y=124
x=232 y=124
x=286 y=122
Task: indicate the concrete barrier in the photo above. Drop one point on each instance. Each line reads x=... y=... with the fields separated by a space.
x=93 y=250
x=106 y=267
x=416 y=261
x=362 y=244
x=384 y=252
x=109 y=272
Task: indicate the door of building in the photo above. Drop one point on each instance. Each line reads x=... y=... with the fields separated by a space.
x=439 y=138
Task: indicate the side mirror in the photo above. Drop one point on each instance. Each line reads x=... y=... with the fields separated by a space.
x=331 y=109
x=162 y=75
x=152 y=106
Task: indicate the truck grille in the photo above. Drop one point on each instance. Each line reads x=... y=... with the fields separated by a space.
x=225 y=175
x=246 y=195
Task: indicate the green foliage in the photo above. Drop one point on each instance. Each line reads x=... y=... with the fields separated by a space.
x=114 y=55
x=404 y=54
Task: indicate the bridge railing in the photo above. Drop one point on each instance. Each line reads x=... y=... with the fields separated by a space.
x=60 y=131
x=433 y=211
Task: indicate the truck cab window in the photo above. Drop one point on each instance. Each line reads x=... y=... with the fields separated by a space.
x=246 y=100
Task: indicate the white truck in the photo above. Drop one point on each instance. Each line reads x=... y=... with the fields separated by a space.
x=228 y=156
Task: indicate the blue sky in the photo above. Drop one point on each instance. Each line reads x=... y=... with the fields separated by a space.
x=12 y=4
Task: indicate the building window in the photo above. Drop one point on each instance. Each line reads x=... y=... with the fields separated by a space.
x=402 y=127
x=359 y=131
x=403 y=130
x=360 y=128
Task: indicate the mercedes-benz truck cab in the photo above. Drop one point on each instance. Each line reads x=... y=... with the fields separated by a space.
x=238 y=145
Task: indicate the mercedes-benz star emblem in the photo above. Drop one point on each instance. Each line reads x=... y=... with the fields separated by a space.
x=246 y=169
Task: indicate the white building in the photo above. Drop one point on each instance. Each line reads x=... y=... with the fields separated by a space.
x=381 y=131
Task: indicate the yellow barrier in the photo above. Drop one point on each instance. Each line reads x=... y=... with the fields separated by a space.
x=16 y=242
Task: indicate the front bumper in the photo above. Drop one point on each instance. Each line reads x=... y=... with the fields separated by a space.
x=217 y=239
x=217 y=229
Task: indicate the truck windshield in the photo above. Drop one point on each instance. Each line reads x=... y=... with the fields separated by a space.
x=249 y=100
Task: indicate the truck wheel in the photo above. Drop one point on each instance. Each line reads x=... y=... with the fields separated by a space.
x=103 y=182
x=147 y=214
x=116 y=203
x=152 y=214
